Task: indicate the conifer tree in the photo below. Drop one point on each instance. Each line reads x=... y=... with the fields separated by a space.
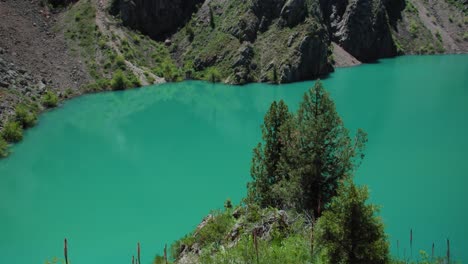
x=304 y=156
x=324 y=148
x=349 y=231
x=266 y=157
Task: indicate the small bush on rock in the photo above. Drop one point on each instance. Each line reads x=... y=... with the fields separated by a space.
x=12 y=132
x=50 y=99
x=25 y=117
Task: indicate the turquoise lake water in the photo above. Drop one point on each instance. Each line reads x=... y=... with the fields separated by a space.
x=111 y=169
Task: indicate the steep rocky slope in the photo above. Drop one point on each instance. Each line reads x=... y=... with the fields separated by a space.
x=290 y=40
x=432 y=26
x=286 y=40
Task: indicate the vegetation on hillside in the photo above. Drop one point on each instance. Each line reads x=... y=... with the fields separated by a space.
x=25 y=117
x=224 y=37
x=12 y=132
x=413 y=37
x=50 y=99
x=111 y=54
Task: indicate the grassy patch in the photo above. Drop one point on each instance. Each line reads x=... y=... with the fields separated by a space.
x=50 y=99
x=82 y=33
x=411 y=8
x=25 y=117
x=12 y=132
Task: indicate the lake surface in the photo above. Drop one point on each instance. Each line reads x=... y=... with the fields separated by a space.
x=111 y=169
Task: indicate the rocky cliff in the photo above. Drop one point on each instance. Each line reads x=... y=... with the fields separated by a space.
x=267 y=40
x=291 y=40
x=361 y=27
x=157 y=19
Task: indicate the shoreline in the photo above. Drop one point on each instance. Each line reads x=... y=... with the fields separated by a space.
x=81 y=92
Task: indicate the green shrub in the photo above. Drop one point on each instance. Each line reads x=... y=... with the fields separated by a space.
x=213 y=75
x=100 y=85
x=50 y=99
x=69 y=93
x=413 y=28
x=12 y=132
x=189 y=31
x=168 y=70
x=349 y=230
x=136 y=39
x=133 y=80
x=102 y=44
x=216 y=229
x=120 y=81
x=120 y=62
x=3 y=148
x=428 y=49
x=25 y=117
x=438 y=36
x=411 y=8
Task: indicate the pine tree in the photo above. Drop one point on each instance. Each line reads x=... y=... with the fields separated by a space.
x=324 y=148
x=349 y=231
x=304 y=156
x=264 y=170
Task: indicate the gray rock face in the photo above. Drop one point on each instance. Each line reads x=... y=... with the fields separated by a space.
x=247 y=28
x=243 y=65
x=274 y=40
x=266 y=11
x=293 y=12
x=361 y=27
x=309 y=60
x=156 y=18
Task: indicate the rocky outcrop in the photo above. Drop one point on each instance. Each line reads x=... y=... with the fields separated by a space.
x=361 y=27
x=244 y=65
x=276 y=41
x=310 y=51
x=247 y=28
x=156 y=18
x=293 y=12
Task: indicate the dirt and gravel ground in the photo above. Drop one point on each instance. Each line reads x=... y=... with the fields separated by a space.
x=33 y=57
x=29 y=41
